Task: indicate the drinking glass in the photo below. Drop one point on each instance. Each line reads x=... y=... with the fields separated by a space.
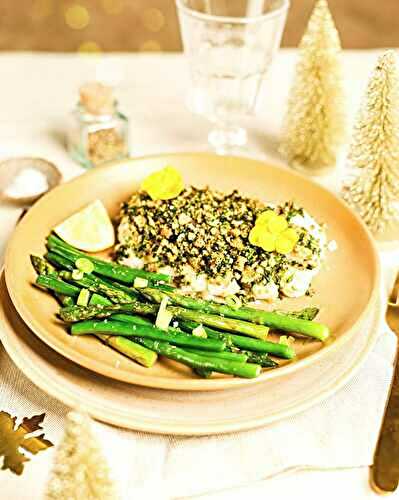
x=230 y=45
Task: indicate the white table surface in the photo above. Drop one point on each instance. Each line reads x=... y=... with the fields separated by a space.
x=37 y=91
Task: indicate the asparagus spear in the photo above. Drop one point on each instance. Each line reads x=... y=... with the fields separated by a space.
x=248 y=344
x=131 y=349
x=117 y=272
x=135 y=320
x=95 y=285
x=202 y=372
x=78 y=313
x=73 y=314
x=57 y=285
x=276 y=320
x=259 y=358
x=245 y=370
x=308 y=313
x=41 y=266
x=233 y=356
x=64 y=300
x=97 y=299
x=123 y=329
x=61 y=262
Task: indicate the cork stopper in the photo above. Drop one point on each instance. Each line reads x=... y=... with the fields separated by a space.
x=97 y=98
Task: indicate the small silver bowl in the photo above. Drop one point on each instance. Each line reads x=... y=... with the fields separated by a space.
x=9 y=170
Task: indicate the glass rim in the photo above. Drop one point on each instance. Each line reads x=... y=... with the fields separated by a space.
x=232 y=20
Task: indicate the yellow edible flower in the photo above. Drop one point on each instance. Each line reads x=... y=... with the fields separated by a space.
x=271 y=232
x=164 y=184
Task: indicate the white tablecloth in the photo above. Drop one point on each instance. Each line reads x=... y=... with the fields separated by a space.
x=38 y=91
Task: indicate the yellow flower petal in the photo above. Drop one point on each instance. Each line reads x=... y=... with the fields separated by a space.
x=290 y=234
x=277 y=224
x=284 y=245
x=255 y=235
x=265 y=217
x=164 y=184
x=267 y=241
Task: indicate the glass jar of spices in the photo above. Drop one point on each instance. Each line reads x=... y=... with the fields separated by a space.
x=99 y=132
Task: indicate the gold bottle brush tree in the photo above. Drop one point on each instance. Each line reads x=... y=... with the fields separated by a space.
x=314 y=127
x=372 y=183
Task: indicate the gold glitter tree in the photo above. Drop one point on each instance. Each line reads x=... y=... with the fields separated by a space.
x=373 y=187
x=80 y=470
x=314 y=126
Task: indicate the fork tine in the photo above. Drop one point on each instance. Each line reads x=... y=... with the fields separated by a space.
x=394 y=296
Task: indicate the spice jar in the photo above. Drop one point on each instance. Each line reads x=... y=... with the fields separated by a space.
x=99 y=131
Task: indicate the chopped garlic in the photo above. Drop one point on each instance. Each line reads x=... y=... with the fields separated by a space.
x=286 y=340
x=164 y=317
x=140 y=283
x=199 y=331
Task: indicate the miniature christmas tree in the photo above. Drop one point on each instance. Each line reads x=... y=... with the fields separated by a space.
x=373 y=188
x=80 y=470
x=315 y=120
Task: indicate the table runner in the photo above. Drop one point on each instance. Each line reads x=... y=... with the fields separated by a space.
x=340 y=432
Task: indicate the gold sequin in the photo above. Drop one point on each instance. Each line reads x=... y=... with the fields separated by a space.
x=150 y=46
x=153 y=20
x=89 y=47
x=77 y=17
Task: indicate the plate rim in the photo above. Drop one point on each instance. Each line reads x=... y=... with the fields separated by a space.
x=193 y=384
x=96 y=410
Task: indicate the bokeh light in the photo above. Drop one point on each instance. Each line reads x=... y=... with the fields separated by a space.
x=150 y=46
x=77 y=17
x=89 y=47
x=113 y=7
x=153 y=20
x=42 y=9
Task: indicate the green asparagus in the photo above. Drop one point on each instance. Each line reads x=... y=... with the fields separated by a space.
x=276 y=320
x=259 y=358
x=233 y=356
x=308 y=313
x=73 y=314
x=59 y=261
x=41 y=266
x=245 y=370
x=95 y=285
x=117 y=272
x=97 y=299
x=135 y=320
x=123 y=329
x=262 y=346
x=64 y=300
x=57 y=285
x=137 y=352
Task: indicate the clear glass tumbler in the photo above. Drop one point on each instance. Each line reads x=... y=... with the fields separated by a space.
x=230 y=45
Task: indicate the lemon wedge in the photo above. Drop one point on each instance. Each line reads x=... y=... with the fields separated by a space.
x=89 y=229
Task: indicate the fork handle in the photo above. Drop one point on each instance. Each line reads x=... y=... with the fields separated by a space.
x=385 y=471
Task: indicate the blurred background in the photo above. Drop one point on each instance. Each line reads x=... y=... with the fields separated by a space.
x=151 y=25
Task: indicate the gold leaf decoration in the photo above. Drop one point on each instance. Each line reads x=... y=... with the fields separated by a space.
x=13 y=440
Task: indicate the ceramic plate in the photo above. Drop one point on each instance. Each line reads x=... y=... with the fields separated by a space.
x=346 y=290
x=179 y=412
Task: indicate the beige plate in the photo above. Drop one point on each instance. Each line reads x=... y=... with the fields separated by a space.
x=182 y=412
x=346 y=290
